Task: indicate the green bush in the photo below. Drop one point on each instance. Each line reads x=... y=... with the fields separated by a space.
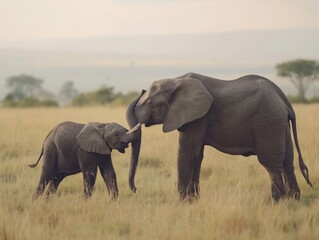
x=8 y=101
x=103 y=96
x=314 y=99
x=26 y=102
x=298 y=99
x=49 y=103
x=125 y=99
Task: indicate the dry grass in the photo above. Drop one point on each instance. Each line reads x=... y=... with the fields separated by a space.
x=235 y=191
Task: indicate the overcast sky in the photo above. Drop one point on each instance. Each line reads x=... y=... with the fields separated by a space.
x=38 y=19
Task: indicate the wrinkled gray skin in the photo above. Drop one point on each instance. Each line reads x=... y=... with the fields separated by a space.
x=136 y=143
x=72 y=148
x=246 y=116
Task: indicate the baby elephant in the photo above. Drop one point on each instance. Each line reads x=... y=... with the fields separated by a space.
x=73 y=147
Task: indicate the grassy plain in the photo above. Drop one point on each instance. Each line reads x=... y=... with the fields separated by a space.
x=235 y=191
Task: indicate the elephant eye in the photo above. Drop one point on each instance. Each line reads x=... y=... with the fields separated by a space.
x=115 y=134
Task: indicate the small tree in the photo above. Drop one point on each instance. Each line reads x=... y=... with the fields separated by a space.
x=23 y=85
x=302 y=73
x=27 y=91
x=67 y=92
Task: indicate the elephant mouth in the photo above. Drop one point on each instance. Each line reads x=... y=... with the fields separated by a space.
x=149 y=122
x=122 y=148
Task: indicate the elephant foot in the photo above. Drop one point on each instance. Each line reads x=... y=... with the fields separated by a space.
x=114 y=195
x=292 y=193
x=190 y=195
x=277 y=193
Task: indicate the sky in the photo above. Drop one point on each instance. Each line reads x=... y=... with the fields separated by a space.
x=38 y=19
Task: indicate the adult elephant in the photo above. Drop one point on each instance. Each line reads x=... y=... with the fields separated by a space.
x=246 y=116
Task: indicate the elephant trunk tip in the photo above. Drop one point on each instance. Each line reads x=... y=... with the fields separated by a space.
x=132 y=185
x=133 y=189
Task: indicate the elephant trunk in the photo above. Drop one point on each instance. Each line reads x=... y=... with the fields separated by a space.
x=136 y=142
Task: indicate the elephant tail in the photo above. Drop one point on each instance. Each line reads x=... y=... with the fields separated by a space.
x=35 y=164
x=302 y=165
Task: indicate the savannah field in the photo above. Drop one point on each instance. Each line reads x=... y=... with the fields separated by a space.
x=235 y=198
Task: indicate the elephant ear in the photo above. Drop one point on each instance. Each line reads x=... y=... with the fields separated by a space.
x=90 y=139
x=190 y=100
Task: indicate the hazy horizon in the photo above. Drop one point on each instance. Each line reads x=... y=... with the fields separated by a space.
x=129 y=44
x=132 y=63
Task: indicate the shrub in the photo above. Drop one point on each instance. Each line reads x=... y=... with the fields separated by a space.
x=314 y=99
x=298 y=99
x=102 y=96
x=49 y=103
x=26 y=102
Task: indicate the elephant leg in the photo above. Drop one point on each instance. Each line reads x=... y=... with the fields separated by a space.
x=271 y=152
x=89 y=177
x=48 y=171
x=109 y=177
x=274 y=165
x=54 y=184
x=196 y=173
x=44 y=180
x=277 y=185
x=293 y=188
x=190 y=154
x=185 y=171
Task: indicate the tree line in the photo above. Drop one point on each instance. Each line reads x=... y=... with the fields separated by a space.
x=27 y=91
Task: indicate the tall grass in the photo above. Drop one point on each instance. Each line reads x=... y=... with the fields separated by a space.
x=235 y=191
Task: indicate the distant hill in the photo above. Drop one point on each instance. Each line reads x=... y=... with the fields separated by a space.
x=252 y=45
x=132 y=62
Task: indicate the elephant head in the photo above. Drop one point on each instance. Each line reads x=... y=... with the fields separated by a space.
x=173 y=102
x=102 y=138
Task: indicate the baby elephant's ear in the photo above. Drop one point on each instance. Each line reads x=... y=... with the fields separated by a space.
x=90 y=139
